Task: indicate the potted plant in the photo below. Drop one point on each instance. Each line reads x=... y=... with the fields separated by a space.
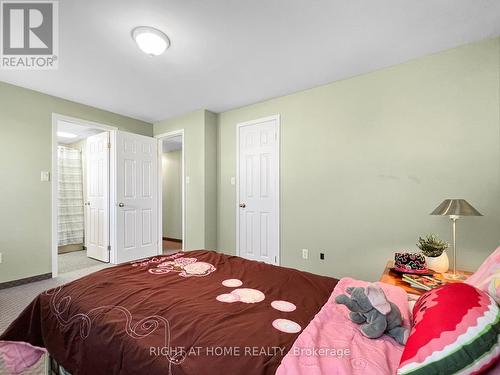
x=434 y=251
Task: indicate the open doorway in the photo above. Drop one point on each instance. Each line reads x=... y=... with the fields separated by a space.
x=81 y=195
x=172 y=192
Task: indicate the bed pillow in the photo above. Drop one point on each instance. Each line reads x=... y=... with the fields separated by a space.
x=456 y=330
x=487 y=277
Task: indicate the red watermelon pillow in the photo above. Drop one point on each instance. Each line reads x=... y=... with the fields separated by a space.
x=456 y=330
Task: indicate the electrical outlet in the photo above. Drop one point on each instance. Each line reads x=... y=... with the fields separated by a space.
x=305 y=254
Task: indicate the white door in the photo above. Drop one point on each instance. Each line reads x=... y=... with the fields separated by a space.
x=258 y=190
x=97 y=204
x=136 y=196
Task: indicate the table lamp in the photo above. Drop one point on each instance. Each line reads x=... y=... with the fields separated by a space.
x=454 y=208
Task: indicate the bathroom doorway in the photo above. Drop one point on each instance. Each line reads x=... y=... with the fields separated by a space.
x=82 y=187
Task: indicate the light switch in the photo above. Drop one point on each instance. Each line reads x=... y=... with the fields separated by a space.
x=233 y=181
x=305 y=254
x=44 y=176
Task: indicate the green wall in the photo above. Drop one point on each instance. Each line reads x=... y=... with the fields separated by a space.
x=364 y=161
x=200 y=150
x=210 y=180
x=25 y=150
x=172 y=194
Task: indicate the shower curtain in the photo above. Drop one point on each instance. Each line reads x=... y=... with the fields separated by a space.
x=70 y=209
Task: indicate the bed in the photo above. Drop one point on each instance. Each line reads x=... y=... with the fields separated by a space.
x=197 y=312
x=202 y=312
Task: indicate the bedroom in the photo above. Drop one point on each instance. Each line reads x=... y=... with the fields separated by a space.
x=378 y=112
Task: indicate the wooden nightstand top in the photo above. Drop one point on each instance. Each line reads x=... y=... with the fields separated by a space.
x=394 y=278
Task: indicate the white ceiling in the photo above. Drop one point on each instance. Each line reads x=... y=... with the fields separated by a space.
x=229 y=53
x=81 y=132
x=172 y=144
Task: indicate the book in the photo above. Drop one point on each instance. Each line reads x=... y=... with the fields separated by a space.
x=422 y=282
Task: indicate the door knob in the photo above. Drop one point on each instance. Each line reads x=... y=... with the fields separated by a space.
x=243 y=205
x=121 y=204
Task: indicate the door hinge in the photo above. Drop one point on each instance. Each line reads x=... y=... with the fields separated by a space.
x=109 y=144
x=109 y=247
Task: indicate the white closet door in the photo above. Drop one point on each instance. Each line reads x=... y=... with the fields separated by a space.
x=97 y=205
x=258 y=190
x=137 y=196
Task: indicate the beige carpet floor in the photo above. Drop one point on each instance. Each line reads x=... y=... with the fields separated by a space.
x=76 y=260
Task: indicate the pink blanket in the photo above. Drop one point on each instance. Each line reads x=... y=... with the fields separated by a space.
x=332 y=344
x=19 y=356
x=487 y=277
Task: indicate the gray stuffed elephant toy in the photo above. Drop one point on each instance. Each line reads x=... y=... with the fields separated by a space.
x=370 y=308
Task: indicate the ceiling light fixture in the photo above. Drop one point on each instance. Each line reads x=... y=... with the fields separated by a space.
x=66 y=135
x=150 y=40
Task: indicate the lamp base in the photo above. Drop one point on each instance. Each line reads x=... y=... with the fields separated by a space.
x=452 y=276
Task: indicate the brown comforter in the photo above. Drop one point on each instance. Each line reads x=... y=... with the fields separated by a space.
x=162 y=315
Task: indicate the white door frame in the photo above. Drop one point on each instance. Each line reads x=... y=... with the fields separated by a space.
x=238 y=126
x=161 y=138
x=55 y=179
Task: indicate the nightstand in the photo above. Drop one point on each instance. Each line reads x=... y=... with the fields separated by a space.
x=394 y=278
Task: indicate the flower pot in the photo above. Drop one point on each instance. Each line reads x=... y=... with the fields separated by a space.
x=439 y=264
